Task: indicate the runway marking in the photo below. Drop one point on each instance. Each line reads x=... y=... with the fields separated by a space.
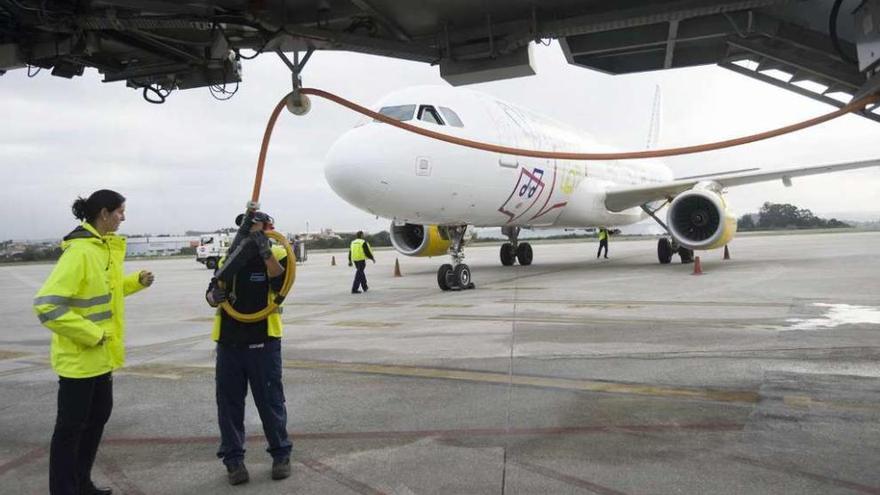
x=364 y=324
x=807 y=402
x=446 y=305
x=32 y=456
x=590 y=320
x=858 y=487
x=452 y=433
x=329 y=472
x=567 y=479
x=13 y=354
x=742 y=396
x=581 y=302
x=117 y=476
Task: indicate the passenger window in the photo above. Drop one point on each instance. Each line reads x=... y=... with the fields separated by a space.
x=451 y=117
x=398 y=112
x=427 y=113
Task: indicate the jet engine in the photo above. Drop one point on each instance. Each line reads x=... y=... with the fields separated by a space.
x=699 y=218
x=420 y=240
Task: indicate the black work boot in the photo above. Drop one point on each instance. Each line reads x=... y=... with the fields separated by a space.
x=237 y=474
x=281 y=468
x=91 y=489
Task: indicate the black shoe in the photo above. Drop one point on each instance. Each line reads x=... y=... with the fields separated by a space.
x=355 y=292
x=91 y=489
x=237 y=474
x=606 y=257
x=366 y=288
x=281 y=468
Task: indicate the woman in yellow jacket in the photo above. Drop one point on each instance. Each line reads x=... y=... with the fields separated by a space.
x=82 y=303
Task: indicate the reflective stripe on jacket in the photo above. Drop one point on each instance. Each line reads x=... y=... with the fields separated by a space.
x=273 y=321
x=83 y=300
x=356 y=250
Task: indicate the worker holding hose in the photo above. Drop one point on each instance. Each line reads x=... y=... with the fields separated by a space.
x=250 y=353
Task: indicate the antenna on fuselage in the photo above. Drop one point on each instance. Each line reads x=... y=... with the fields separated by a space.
x=654 y=128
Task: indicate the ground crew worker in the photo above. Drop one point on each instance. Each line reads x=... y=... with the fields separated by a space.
x=82 y=303
x=250 y=353
x=603 y=242
x=358 y=252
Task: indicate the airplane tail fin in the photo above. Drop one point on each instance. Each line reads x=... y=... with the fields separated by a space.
x=656 y=114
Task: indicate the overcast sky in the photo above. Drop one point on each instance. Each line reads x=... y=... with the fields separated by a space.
x=189 y=164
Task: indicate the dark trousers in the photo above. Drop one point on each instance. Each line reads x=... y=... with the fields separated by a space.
x=259 y=365
x=603 y=244
x=360 y=278
x=84 y=406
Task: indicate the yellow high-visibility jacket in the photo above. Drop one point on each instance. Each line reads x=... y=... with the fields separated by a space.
x=273 y=321
x=83 y=301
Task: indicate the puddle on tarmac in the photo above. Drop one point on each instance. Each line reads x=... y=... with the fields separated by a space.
x=836 y=315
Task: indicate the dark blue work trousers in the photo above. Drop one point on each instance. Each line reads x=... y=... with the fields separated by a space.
x=360 y=278
x=259 y=365
x=84 y=406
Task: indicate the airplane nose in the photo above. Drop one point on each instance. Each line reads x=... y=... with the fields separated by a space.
x=345 y=171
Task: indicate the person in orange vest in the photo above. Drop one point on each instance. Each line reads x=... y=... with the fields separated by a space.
x=82 y=303
x=358 y=253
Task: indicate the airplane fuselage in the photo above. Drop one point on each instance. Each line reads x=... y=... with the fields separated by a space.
x=410 y=178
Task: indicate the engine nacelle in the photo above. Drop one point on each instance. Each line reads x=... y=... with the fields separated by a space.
x=420 y=240
x=699 y=218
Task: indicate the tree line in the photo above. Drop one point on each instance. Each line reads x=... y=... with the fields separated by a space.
x=776 y=216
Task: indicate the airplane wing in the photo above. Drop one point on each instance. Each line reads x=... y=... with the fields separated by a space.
x=622 y=198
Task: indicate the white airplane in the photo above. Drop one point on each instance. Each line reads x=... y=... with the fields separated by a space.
x=432 y=191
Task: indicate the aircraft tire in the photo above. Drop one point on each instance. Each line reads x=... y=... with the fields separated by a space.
x=664 y=251
x=462 y=276
x=211 y=263
x=524 y=254
x=444 y=277
x=507 y=254
x=686 y=255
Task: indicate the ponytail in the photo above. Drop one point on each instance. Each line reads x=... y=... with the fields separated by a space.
x=88 y=209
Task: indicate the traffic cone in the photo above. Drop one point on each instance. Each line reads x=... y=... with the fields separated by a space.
x=726 y=252
x=333 y=261
x=397 y=267
x=698 y=269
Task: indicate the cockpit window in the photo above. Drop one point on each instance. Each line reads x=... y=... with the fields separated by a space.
x=427 y=113
x=451 y=117
x=399 y=112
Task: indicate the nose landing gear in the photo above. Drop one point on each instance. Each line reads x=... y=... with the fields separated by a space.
x=455 y=276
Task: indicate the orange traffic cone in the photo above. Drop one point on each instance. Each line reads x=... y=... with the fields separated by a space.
x=397 y=267
x=333 y=261
x=698 y=269
x=726 y=252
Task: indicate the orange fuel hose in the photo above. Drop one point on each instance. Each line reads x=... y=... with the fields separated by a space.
x=559 y=155
x=291 y=259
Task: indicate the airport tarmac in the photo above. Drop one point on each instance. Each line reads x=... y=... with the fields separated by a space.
x=573 y=375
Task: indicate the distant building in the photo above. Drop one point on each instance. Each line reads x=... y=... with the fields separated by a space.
x=159 y=245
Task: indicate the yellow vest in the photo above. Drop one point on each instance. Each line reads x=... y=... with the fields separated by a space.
x=357 y=250
x=83 y=300
x=603 y=234
x=273 y=321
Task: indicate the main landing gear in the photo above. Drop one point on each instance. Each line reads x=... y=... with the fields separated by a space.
x=666 y=247
x=455 y=276
x=514 y=251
